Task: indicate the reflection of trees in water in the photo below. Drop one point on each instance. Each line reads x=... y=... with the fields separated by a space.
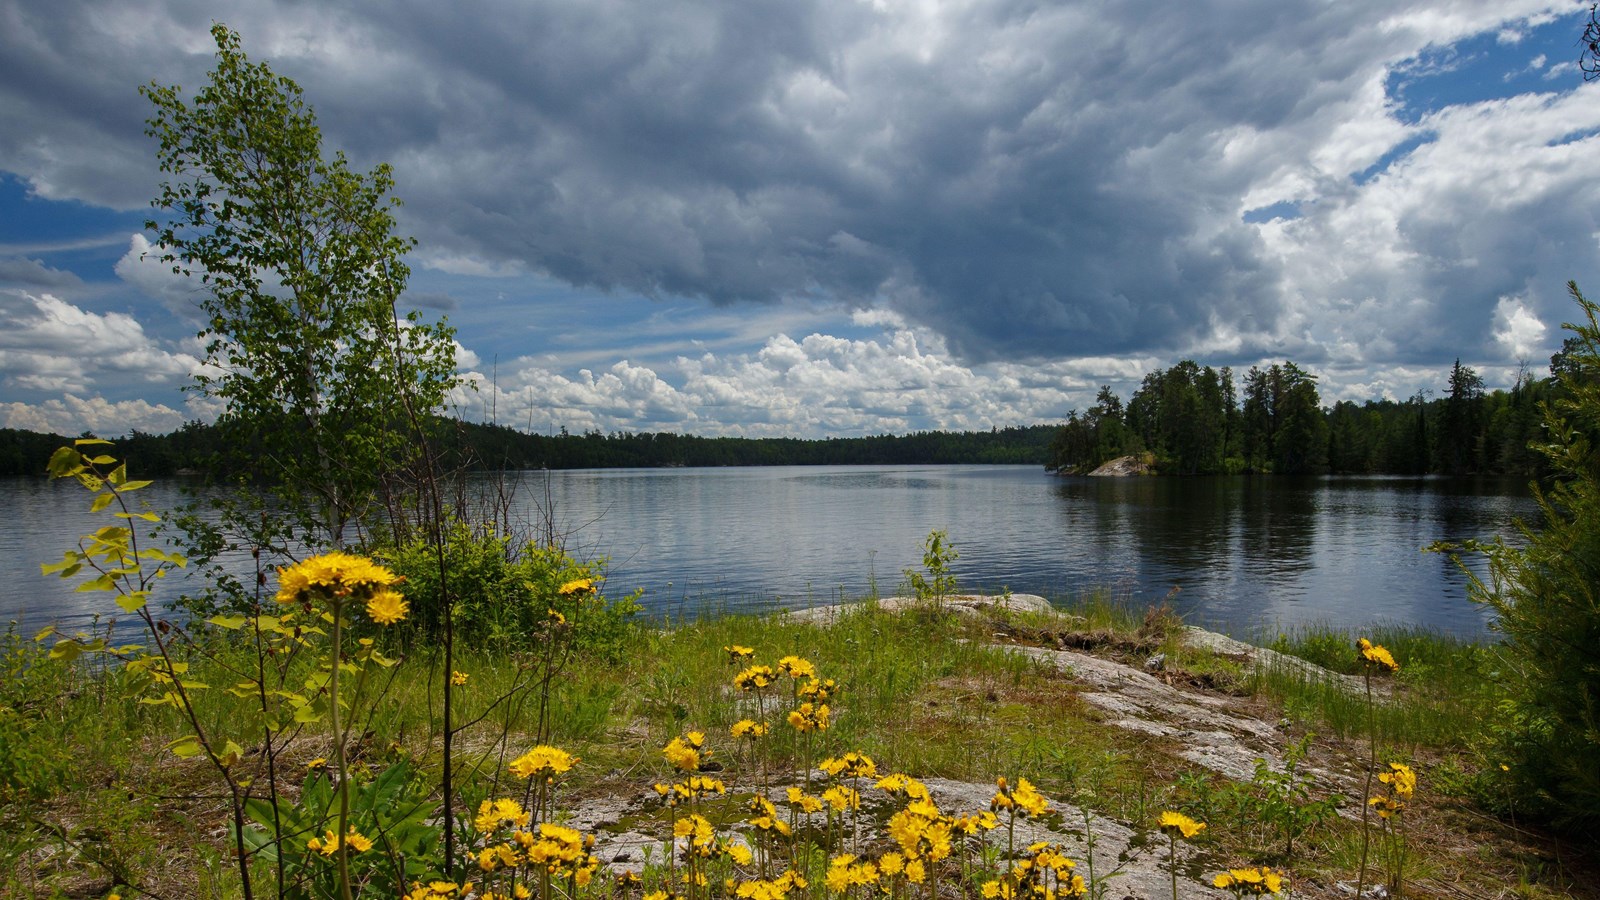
x=1278 y=524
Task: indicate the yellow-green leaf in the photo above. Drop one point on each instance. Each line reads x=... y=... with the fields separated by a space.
x=101 y=501
x=130 y=602
x=230 y=754
x=102 y=583
x=135 y=485
x=232 y=623
x=49 y=630
x=64 y=462
x=66 y=649
x=90 y=442
x=186 y=746
x=307 y=714
x=104 y=460
x=71 y=561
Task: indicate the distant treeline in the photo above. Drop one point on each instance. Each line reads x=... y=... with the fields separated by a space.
x=1198 y=420
x=200 y=448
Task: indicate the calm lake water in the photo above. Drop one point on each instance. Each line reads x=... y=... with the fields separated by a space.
x=1246 y=555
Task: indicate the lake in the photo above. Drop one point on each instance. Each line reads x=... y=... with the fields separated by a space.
x=1245 y=555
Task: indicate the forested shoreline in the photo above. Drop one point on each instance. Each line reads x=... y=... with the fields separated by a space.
x=1194 y=420
x=201 y=448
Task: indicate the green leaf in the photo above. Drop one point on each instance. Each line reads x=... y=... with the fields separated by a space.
x=186 y=746
x=307 y=714
x=66 y=649
x=70 y=563
x=130 y=602
x=64 y=462
x=102 y=583
x=232 y=623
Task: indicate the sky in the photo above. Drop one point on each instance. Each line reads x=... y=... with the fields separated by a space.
x=793 y=218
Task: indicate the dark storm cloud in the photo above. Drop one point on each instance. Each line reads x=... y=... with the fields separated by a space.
x=1030 y=179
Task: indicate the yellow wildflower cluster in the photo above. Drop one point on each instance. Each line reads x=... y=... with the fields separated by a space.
x=846 y=871
x=755 y=678
x=738 y=653
x=765 y=889
x=701 y=841
x=687 y=753
x=694 y=787
x=809 y=717
x=1375 y=657
x=797 y=668
x=817 y=690
x=1402 y=784
x=496 y=814
x=1024 y=798
x=338 y=577
x=850 y=765
x=922 y=831
x=1176 y=824
x=1254 y=882
x=438 y=890
x=458 y=678
x=749 y=729
x=328 y=844
x=804 y=802
x=544 y=762
x=554 y=851
x=1044 y=873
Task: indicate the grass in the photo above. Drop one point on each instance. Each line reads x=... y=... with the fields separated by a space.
x=93 y=801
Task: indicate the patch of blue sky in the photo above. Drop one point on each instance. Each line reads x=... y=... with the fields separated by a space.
x=75 y=237
x=1491 y=66
x=1283 y=209
x=1397 y=152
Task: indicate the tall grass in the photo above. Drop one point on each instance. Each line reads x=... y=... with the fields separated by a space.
x=1445 y=691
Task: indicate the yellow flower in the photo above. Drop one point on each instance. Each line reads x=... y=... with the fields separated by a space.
x=357 y=841
x=804 y=802
x=578 y=587
x=1385 y=806
x=900 y=784
x=1376 y=657
x=842 y=798
x=850 y=765
x=809 y=717
x=387 y=607
x=543 y=760
x=1180 y=825
x=737 y=653
x=754 y=678
x=1400 y=779
x=335 y=575
x=817 y=690
x=684 y=753
x=797 y=668
x=458 y=678
x=748 y=728
x=1250 y=882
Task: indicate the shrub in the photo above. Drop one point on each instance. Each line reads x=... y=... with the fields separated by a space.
x=1546 y=596
x=506 y=594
